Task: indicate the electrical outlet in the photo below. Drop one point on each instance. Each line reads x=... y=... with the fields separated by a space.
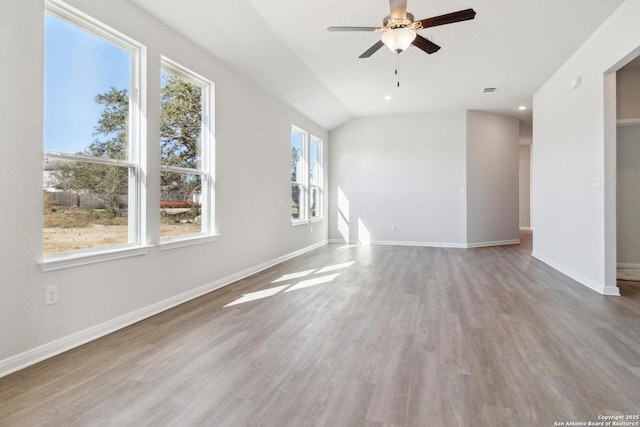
x=393 y=227
x=495 y=227
x=51 y=295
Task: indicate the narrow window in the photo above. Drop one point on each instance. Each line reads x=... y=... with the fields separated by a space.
x=91 y=184
x=306 y=177
x=315 y=178
x=299 y=176
x=185 y=153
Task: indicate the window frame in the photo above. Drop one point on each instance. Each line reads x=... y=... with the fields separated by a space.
x=135 y=161
x=207 y=159
x=303 y=216
x=319 y=179
x=306 y=189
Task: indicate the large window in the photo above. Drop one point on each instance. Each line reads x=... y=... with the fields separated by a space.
x=91 y=173
x=185 y=153
x=306 y=177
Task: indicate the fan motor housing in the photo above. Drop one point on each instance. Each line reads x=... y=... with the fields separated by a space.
x=409 y=20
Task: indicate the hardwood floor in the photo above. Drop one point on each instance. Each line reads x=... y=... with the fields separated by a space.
x=357 y=336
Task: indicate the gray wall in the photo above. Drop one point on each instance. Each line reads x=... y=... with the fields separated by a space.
x=525 y=185
x=628 y=93
x=492 y=178
x=405 y=170
x=435 y=179
x=628 y=195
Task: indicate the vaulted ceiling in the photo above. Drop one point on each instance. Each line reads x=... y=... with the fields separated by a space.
x=284 y=47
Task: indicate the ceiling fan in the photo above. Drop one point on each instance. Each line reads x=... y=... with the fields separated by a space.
x=399 y=29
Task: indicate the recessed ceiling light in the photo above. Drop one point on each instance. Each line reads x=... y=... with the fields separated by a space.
x=388 y=97
x=522 y=107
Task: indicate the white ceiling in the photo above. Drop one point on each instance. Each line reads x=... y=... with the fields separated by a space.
x=283 y=46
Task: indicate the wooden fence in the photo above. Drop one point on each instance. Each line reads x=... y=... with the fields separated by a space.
x=66 y=199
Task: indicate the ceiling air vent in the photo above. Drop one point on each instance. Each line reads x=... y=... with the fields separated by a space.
x=489 y=90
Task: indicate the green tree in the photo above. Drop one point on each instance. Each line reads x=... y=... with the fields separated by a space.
x=180 y=135
x=105 y=182
x=295 y=158
x=180 y=121
x=295 y=189
x=180 y=131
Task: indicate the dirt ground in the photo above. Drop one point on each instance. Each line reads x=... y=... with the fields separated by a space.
x=58 y=239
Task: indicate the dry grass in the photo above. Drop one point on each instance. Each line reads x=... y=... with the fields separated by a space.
x=79 y=218
x=68 y=230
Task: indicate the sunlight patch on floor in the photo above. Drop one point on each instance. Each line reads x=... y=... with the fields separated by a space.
x=326 y=278
x=252 y=296
x=313 y=282
x=291 y=276
x=335 y=267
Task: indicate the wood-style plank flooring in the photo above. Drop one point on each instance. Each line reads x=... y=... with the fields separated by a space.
x=367 y=336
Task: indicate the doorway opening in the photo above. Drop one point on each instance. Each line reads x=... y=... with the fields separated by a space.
x=627 y=200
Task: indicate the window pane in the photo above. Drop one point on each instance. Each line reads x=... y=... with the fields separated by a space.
x=85 y=206
x=296 y=157
x=180 y=204
x=180 y=121
x=295 y=201
x=315 y=202
x=87 y=86
x=314 y=167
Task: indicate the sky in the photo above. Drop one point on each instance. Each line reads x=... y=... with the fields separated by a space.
x=78 y=66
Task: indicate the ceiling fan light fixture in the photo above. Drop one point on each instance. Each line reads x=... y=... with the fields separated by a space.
x=398 y=39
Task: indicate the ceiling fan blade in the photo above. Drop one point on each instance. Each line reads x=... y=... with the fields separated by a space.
x=425 y=44
x=373 y=49
x=449 y=18
x=352 y=28
x=398 y=9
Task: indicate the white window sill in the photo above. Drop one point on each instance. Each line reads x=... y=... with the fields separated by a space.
x=76 y=259
x=296 y=222
x=180 y=242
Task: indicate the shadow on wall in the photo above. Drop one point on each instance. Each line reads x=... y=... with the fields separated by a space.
x=364 y=236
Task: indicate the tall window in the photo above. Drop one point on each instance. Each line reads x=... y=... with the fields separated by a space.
x=298 y=174
x=315 y=178
x=185 y=150
x=91 y=173
x=306 y=176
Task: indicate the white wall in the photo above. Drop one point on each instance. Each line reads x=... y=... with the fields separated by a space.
x=492 y=178
x=406 y=170
x=573 y=160
x=628 y=195
x=525 y=186
x=252 y=199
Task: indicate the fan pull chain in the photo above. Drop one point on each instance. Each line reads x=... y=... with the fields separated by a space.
x=398 y=70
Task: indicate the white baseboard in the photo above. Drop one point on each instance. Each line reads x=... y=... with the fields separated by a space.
x=591 y=284
x=627 y=265
x=343 y=242
x=432 y=244
x=494 y=243
x=526 y=229
x=611 y=291
x=421 y=244
x=38 y=354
